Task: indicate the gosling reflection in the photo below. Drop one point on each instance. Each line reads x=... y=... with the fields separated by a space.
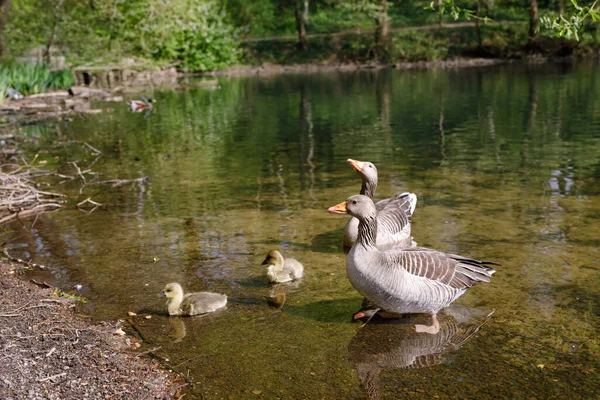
x=178 y=330
x=278 y=293
x=387 y=344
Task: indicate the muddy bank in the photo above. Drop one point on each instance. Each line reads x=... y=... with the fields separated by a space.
x=50 y=352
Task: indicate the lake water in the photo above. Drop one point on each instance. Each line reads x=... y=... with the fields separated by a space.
x=505 y=162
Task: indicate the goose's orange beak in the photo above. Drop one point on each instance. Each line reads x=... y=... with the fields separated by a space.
x=338 y=209
x=357 y=165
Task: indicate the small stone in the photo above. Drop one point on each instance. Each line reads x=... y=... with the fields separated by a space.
x=120 y=332
x=148 y=316
x=257 y=392
x=131 y=313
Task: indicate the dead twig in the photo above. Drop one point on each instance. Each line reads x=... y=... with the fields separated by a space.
x=78 y=171
x=21 y=261
x=52 y=377
x=92 y=148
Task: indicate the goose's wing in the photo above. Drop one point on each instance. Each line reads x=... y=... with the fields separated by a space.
x=394 y=219
x=408 y=202
x=202 y=302
x=455 y=271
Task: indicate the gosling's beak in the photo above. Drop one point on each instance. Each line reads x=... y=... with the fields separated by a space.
x=338 y=209
x=357 y=165
x=162 y=294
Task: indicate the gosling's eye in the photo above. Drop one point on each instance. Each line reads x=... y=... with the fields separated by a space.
x=168 y=290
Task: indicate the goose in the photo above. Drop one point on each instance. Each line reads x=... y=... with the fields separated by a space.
x=282 y=270
x=191 y=303
x=405 y=280
x=387 y=236
x=141 y=105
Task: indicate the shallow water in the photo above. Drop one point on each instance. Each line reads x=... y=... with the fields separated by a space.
x=505 y=162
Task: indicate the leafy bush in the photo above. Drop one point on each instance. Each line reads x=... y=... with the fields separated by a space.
x=197 y=35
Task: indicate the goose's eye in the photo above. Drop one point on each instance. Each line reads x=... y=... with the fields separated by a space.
x=353 y=201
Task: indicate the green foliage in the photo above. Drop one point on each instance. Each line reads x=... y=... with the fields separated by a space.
x=419 y=46
x=194 y=33
x=571 y=24
x=31 y=79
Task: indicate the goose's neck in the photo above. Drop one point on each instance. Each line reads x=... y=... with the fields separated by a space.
x=368 y=189
x=367 y=232
x=278 y=264
x=174 y=303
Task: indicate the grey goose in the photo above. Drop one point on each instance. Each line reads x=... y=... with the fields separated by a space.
x=388 y=235
x=405 y=280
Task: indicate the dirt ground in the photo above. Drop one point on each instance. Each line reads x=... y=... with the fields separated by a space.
x=48 y=352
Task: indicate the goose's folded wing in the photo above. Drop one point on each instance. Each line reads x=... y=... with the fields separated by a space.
x=455 y=271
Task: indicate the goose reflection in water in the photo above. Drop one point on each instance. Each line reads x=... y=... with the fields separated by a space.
x=388 y=344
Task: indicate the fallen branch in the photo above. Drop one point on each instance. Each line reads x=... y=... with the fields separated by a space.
x=21 y=261
x=27 y=213
x=120 y=182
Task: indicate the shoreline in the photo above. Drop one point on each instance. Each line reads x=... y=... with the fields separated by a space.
x=51 y=352
x=268 y=69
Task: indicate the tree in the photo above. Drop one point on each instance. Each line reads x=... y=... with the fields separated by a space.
x=378 y=10
x=534 y=20
x=301 y=14
x=4 y=8
x=383 y=23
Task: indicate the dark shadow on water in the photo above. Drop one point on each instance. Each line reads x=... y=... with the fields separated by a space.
x=328 y=242
x=337 y=310
x=382 y=346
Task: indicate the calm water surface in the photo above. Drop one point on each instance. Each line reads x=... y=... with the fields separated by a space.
x=506 y=166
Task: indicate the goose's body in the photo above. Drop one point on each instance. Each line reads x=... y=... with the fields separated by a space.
x=281 y=270
x=395 y=234
x=405 y=280
x=179 y=303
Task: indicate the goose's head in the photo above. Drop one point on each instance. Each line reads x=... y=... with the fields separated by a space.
x=358 y=206
x=366 y=170
x=272 y=258
x=172 y=290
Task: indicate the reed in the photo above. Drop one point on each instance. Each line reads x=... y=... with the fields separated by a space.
x=33 y=78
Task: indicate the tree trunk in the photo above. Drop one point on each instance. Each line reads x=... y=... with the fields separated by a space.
x=301 y=14
x=478 y=23
x=383 y=29
x=440 y=15
x=57 y=16
x=4 y=8
x=534 y=20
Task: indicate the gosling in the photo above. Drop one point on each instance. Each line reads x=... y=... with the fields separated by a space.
x=191 y=303
x=282 y=270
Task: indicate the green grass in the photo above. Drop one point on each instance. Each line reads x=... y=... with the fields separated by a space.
x=33 y=78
